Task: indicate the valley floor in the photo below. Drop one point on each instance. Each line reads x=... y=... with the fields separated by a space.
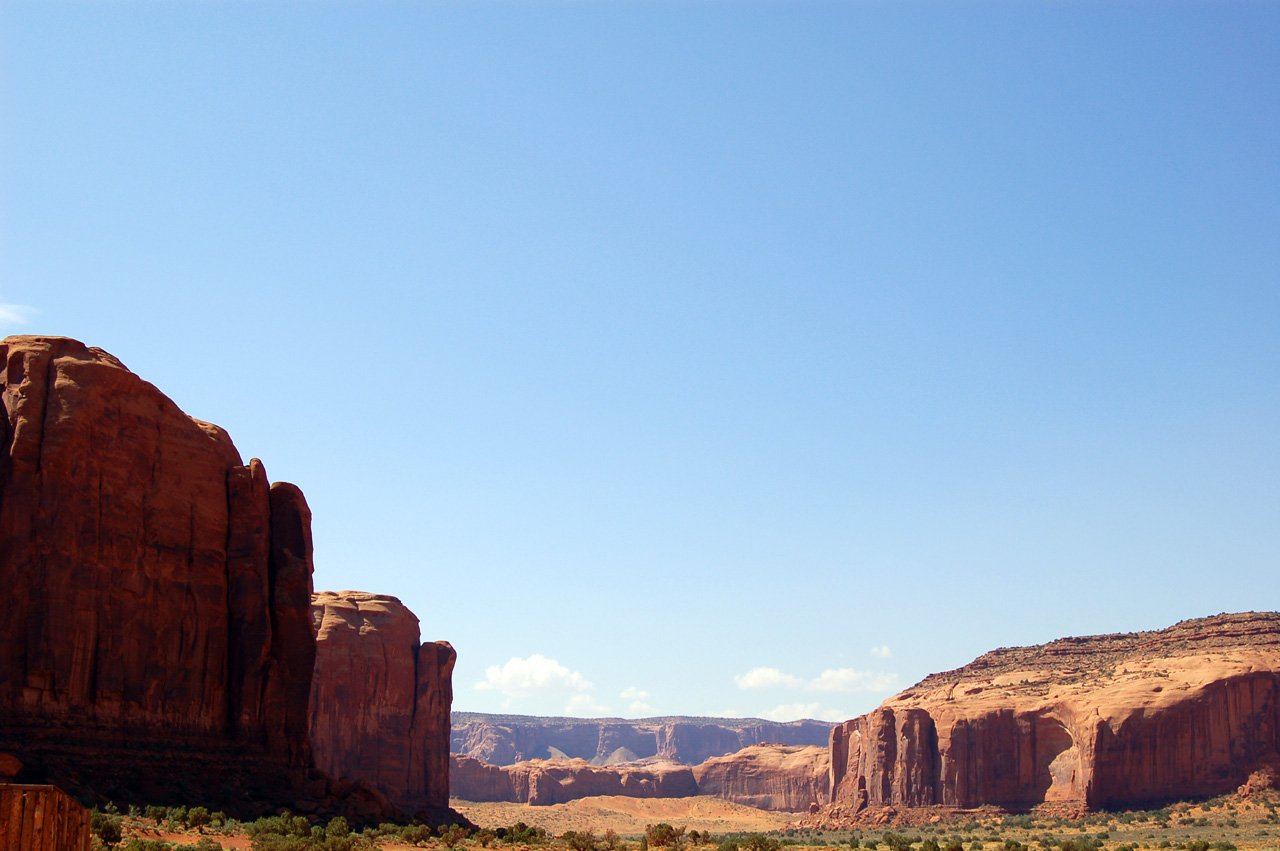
x=629 y=816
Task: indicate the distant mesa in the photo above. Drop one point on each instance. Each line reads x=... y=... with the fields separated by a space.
x=1105 y=721
x=769 y=777
x=563 y=759
x=683 y=740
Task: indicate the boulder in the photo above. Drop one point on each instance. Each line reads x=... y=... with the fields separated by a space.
x=380 y=700
x=1102 y=722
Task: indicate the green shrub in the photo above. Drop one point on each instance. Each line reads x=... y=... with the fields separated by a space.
x=580 y=840
x=760 y=842
x=663 y=835
x=522 y=834
x=452 y=835
x=106 y=827
x=897 y=842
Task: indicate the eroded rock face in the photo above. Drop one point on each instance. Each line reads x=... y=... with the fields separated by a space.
x=768 y=777
x=771 y=777
x=507 y=739
x=1102 y=721
x=380 y=700
x=158 y=588
x=542 y=782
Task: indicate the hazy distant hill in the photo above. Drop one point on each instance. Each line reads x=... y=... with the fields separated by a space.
x=507 y=739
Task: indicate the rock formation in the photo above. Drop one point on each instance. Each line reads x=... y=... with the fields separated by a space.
x=158 y=587
x=508 y=739
x=768 y=777
x=380 y=700
x=159 y=644
x=771 y=777
x=1102 y=721
x=556 y=781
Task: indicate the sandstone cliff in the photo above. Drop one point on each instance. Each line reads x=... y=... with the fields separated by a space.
x=769 y=777
x=556 y=781
x=158 y=588
x=508 y=739
x=1101 y=721
x=380 y=700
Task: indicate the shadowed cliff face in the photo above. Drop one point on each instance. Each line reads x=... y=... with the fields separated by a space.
x=380 y=701
x=1104 y=721
x=158 y=588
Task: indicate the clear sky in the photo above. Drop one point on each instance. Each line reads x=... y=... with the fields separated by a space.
x=692 y=358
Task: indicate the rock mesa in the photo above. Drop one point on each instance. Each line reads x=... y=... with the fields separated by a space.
x=542 y=782
x=1100 y=721
x=768 y=777
x=508 y=739
x=771 y=777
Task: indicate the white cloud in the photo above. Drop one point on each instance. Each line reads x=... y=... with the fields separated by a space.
x=832 y=679
x=536 y=675
x=638 y=698
x=847 y=679
x=882 y=651
x=15 y=314
x=767 y=678
x=581 y=705
x=796 y=711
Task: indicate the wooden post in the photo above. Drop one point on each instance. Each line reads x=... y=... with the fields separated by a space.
x=41 y=818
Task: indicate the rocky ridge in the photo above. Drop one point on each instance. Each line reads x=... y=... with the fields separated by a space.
x=1099 y=721
x=508 y=739
x=770 y=777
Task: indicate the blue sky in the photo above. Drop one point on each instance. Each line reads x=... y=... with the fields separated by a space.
x=692 y=358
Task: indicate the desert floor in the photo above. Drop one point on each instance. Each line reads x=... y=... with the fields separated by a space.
x=629 y=816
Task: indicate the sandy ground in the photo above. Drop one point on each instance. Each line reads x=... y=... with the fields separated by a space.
x=237 y=841
x=628 y=816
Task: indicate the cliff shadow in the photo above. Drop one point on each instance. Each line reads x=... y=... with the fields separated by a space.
x=1057 y=762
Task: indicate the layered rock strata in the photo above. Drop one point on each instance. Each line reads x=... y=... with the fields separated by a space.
x=768 y=777
x=508 y=739
x=1101 y=721
x=158 y=644
x=557 y=781
x=380 y=700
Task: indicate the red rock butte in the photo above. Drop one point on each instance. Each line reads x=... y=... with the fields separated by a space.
x=380 y=700
x=1102 y=721
x=158 y=646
